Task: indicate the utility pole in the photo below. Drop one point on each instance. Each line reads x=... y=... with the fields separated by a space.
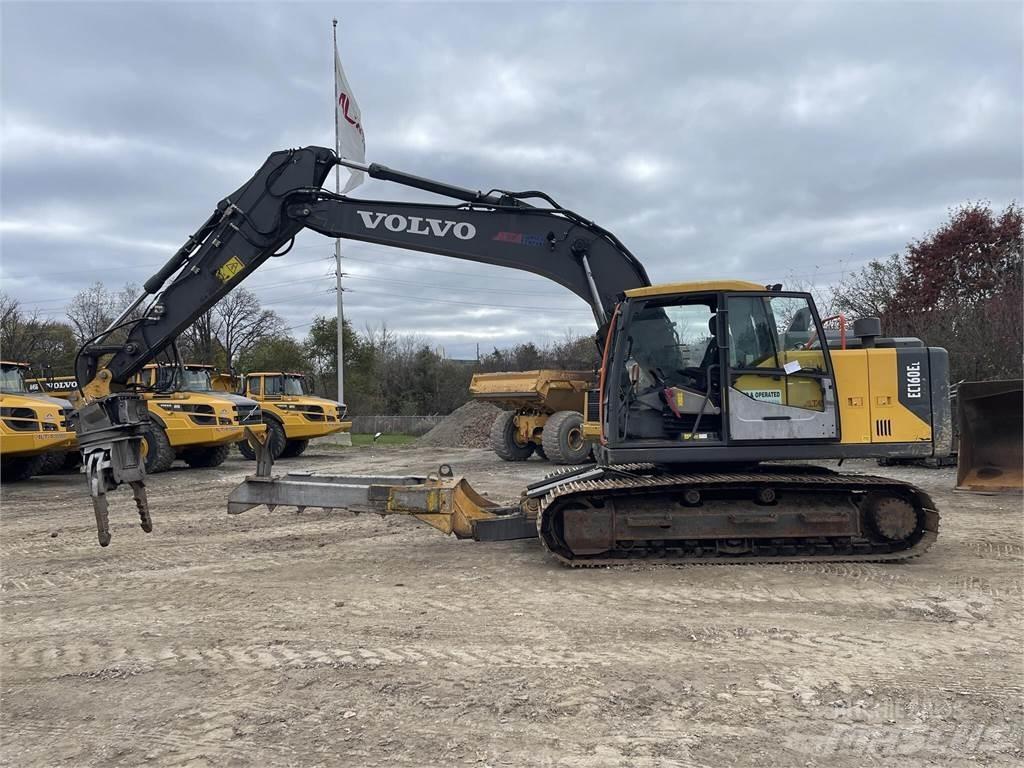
x=337 y=241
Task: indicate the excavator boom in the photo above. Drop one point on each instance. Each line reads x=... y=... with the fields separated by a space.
x=261 y=219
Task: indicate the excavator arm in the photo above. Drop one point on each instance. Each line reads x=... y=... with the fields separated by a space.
x=261 y=219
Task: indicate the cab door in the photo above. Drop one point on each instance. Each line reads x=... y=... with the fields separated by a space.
x=781 y=385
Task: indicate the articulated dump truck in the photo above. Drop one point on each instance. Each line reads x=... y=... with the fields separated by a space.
x=292 y=416
x=33 y=427
x=542 y=413
x=197 y=427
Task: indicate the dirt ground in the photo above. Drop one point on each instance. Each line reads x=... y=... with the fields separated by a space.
x=278 y=639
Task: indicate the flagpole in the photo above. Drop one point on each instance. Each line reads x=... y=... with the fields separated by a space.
x=337 y=241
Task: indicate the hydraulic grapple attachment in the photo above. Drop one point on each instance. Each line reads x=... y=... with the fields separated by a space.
x=110 y=437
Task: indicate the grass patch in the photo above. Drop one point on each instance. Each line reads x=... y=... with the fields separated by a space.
x=367 y=439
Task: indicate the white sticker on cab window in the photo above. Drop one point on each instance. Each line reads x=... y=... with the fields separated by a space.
x=792 y=366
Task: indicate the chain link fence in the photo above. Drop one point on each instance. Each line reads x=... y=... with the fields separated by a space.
x=395 y=425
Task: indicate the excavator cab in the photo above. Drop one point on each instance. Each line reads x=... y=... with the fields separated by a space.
x=716 y=364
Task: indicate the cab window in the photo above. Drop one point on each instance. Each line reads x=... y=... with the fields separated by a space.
x=274 y=386
x=11 y=380
x=293 y=385
x=672 y=343
x=774 y=332
x=254 y=385
x=775 y=353
x=751 y=336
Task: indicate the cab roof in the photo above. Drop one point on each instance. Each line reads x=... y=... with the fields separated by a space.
x=700 y=286
x=275 y=373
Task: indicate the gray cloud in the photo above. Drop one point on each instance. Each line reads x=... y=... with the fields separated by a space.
x=764 y=141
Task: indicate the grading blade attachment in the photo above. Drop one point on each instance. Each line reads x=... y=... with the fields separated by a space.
x=441 y=500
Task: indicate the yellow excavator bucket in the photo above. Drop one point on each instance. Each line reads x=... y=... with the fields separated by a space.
x=991 y=415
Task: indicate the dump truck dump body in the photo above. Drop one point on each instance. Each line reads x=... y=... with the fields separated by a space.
x=533 y=401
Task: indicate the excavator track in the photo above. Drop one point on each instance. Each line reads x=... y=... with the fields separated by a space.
x=630 y=513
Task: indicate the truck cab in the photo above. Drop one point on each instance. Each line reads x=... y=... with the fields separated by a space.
x=197 y=425
x=200 y=379
x=32 y=424
x=292 y=416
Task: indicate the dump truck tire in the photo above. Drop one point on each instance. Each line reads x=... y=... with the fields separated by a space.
x=276 y=436
x=563 y=438
x=18 y=468
x=159 y=453
x=503 y=439
x=52 y=462
x=203 y=458
x=294 y=448
x=72 y=461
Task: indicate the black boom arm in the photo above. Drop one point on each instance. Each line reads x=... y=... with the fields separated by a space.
x=286 y=195
x=259 y=221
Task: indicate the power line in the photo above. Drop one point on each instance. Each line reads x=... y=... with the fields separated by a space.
x=468 y=303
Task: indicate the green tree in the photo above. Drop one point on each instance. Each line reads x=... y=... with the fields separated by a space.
x=275 y=353
x=321 y=347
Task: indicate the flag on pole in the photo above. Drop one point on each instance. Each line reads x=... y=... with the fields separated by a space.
x=351 y=140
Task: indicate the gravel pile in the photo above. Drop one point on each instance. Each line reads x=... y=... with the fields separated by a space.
x=466 y=427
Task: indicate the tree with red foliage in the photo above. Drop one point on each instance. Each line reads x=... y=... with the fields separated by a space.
x=959 y=287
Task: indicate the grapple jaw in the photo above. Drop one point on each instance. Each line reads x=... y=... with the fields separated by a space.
x=110 y=433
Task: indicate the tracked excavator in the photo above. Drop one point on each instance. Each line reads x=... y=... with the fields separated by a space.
x=704 y=388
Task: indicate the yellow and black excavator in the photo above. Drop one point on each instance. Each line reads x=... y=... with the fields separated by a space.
x=700 y=384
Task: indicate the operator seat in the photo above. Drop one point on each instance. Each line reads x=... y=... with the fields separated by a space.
x=706 y=373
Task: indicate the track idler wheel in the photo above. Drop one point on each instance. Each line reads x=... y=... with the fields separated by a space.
x=894 y=518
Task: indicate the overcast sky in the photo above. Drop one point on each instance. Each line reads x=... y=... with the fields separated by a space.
x=765 y=141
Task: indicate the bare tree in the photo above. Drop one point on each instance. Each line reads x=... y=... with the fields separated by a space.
x=19 y=332
x=199 y=342
x=94 y=308
x=239 y=323
x=25 y=337
x=871 y=291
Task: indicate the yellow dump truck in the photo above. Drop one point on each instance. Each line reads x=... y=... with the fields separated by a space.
x=197 y=427
x=33 y=426
x=293 y=418
x=542 y=413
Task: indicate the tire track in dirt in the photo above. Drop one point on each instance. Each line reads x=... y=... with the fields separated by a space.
x=213 y=737
x=695 y=645
x=270 y=552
